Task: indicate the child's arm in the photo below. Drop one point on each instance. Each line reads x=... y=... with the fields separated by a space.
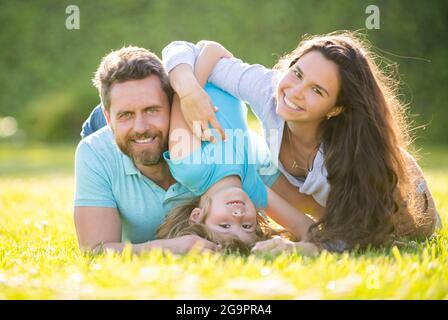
x=211 y=53
x=287 y=216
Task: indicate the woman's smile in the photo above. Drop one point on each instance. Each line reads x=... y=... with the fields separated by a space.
x=291 y=104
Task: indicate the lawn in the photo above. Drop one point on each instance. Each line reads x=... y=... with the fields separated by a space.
x=39 y=258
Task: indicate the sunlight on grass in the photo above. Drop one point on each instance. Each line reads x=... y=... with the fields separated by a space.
x=20 y=160
x=39 y=257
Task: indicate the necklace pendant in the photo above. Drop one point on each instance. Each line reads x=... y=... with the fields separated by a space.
x=295 y=165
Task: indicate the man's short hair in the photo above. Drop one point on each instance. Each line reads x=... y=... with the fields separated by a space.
x=129 y=63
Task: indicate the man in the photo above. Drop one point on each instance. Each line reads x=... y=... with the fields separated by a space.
x=124 y=188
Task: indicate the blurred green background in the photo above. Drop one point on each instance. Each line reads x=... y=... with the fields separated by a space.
x=46 y=69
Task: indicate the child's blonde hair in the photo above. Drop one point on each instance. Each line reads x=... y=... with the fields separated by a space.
x=177 y=224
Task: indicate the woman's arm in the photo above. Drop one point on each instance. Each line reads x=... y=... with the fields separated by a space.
x=210 y=54
x=250 y=83
x=287 y=216
x=294 y=221
x=302 y=202
x=190 y=65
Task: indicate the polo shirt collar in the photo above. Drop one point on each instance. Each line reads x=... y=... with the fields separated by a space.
x=129 y=166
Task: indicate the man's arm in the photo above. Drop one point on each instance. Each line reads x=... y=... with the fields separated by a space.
x=97 y=220
x=99 y=229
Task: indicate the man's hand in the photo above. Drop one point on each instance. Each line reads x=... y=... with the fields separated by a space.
x=198 y=112
x=278 y=245
x=185 y=244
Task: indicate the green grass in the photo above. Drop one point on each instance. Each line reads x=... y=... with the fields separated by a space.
x=39 y=258
x=40 y=160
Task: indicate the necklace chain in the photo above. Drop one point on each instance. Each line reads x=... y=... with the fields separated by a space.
x=295 y=164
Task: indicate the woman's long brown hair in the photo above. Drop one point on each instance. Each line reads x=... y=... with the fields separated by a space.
x=370 y=198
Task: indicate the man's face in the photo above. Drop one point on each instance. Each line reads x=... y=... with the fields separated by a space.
x=139 y=117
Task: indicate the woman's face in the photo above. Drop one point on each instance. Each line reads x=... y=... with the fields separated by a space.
x=231 y=214
x=307 y=91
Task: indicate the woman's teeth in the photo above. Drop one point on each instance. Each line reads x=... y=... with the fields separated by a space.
x=291 y=104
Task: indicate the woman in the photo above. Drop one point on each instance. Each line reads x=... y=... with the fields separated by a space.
x=333 y=121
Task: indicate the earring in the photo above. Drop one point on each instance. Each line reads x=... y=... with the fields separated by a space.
x=328 y=116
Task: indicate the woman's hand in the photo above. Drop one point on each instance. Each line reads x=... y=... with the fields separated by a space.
x=185 y=244
x=278 y=245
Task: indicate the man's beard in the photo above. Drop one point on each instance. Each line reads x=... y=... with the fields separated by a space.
x=146 y=157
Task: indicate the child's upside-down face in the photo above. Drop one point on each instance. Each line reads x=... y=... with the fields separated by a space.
x=230 y=214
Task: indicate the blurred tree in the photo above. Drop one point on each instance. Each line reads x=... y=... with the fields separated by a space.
x=46 y=69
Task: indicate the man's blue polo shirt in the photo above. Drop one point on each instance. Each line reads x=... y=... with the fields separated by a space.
x=105 y=177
